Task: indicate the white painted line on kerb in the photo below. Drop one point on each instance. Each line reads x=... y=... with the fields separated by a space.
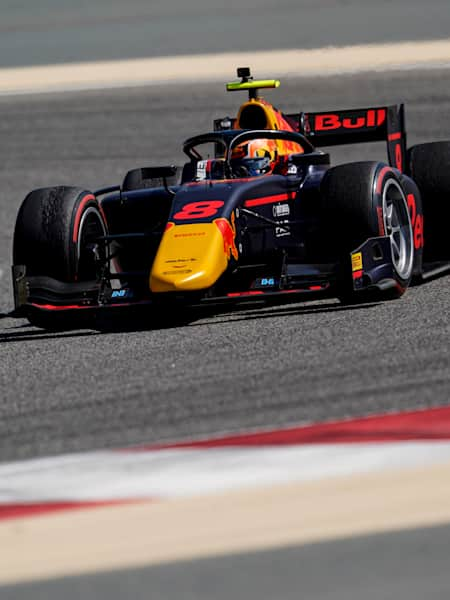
x=185 y=472
x=210 y=67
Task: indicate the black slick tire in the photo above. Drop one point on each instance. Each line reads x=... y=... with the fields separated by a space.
x=429 y=167
x=357 y=201
x=54 y=228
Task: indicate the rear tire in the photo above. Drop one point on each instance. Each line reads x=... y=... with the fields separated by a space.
x=429 y=167
x=363 y=200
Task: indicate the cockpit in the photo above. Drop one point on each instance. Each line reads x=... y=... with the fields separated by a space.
x=235 y=154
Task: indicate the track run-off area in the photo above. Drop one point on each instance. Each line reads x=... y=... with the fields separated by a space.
x=251 y=369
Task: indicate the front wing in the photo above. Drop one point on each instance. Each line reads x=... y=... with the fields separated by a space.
x=371 y=269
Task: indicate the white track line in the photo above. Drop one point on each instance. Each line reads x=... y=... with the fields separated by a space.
x=210 y=67
x=177 y=473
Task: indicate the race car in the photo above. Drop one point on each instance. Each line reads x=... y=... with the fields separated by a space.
x=257 y=212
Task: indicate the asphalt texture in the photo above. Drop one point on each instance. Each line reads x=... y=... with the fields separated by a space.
x=247 y=369
x=63 y=31
x=405 y=565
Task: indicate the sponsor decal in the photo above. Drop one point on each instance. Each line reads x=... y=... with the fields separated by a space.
x=357 y=264
x=359 y=120
x=281 y=231
x=201 y=170
x=228 y=231
x=192 y=234
x=120 y=293
x=124 y=294
x=281 y=210
x=265 y=282
x=176 y=267
x=416 y=222
x=380 y=220
x=180 y=272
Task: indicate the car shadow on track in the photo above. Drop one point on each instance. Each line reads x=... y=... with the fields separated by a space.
x=279 y=311
x=205 y=316
x=40 y=334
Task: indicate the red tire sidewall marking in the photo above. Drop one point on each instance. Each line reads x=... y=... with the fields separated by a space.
x=378 y=200
x=79 y=212
x=416 y=222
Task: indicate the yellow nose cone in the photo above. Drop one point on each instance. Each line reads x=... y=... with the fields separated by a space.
x=190 y=257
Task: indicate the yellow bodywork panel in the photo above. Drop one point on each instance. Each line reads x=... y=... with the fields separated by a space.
x=190 y=257
x=256 y=113
x=272 y=117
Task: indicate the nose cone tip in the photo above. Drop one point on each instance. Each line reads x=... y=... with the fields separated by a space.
x=177 y=282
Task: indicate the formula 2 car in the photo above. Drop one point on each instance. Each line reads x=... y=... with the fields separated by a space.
x=256 y=212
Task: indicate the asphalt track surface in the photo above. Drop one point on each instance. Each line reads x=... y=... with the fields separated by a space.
x=408 y=565
x=249 y=369
x=63 y=31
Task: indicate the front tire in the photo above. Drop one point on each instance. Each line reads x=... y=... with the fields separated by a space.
x=54 y=234
x=364 y=200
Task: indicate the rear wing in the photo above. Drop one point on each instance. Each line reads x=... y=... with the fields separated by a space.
x=354 y=126
x=357 y=126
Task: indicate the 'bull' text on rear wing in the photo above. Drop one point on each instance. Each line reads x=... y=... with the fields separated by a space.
x=355 y=126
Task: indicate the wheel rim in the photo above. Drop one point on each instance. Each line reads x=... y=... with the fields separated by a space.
x=397 y=224
x=91 y=228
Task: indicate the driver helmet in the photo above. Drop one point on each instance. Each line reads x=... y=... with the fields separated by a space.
x=256 y=156
x=258 y=166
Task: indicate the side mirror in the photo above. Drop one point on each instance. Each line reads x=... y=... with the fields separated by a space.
x=158 y=172
x=309 y=158
x=147 y=177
